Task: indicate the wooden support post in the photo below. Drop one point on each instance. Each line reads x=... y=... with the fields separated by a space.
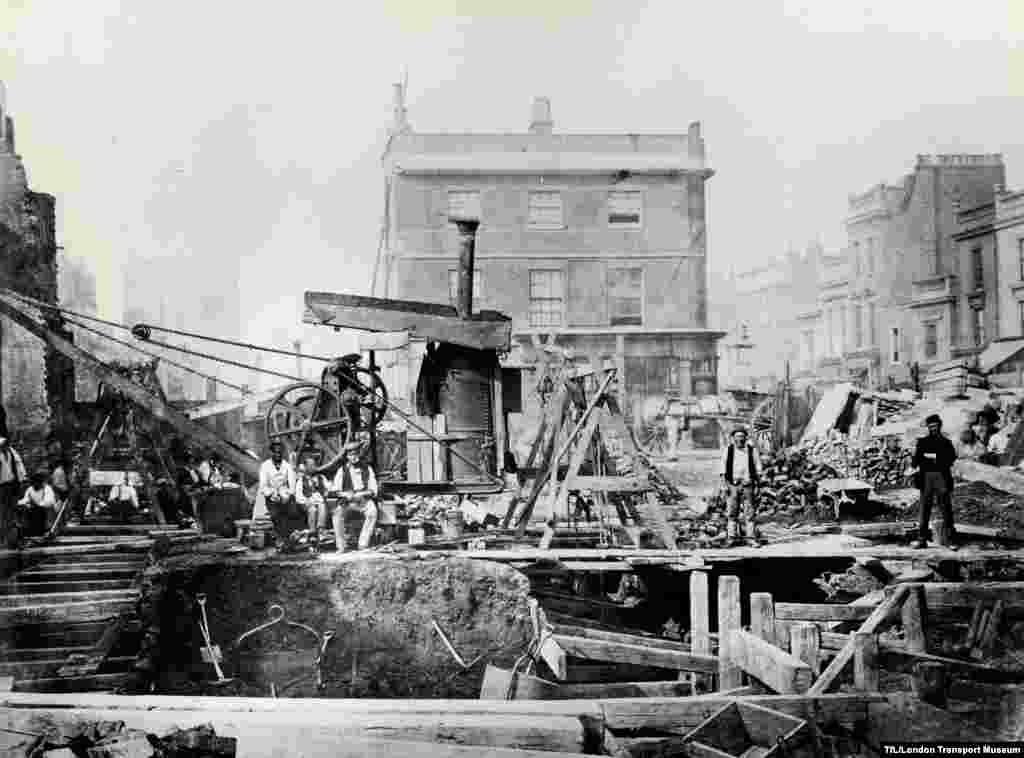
x=930 y=683
x=773 y=666
x=805 y=644
x=991 y=633
x=865 y=661
x=729 y=674
x=975 y=625
x=913 y=614
x=983 y=625
x=880 y=615
x=700 y=622
x=762 y=616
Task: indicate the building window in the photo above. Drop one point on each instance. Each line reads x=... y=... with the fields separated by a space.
x=894 y=345
x=931 y=340
x=626 y=296
x=545 y=210
x=464 y=204
x=979 y=327
x=546 y=297
x=978 y=268
x=625 y=209
x=453 y=286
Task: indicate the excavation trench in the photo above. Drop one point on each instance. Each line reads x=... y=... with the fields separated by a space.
x=385 y=615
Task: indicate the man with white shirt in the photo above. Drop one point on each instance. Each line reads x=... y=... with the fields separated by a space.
x=741 y=470
x=356 y=485
x=12 y=479
x=277 y=485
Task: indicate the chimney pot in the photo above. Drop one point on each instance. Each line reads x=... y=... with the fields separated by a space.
x=540 y=120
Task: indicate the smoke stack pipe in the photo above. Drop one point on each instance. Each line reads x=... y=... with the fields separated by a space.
x=467 y=249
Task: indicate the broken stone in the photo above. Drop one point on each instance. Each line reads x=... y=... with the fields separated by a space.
x=134 y=746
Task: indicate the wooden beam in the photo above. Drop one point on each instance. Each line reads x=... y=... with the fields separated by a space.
x=68 y=613
x=865 y=661
x=486 y=330
x=762 y=616
x=768 y=664
x=557 y=409
x=659 y=643
x=620 y=484
x=683 y=714
x=878 y=617
x=63 y=598
x=891 y=655
x=134 y=391
x=729 y=673
x=805 y=644
x=601 y=690
x=913 y=616
x=640 y=655
x=821 y=612
x=945 y=596
x=700 y=621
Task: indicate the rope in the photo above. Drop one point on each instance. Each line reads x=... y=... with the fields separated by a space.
x=197 y=354
x=166 y=360
x=168 y=330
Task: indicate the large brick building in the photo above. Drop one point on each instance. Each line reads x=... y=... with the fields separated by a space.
x=36 y=385
x=597 y=242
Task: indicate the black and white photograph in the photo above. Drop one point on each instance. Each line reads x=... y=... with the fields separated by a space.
x=511 y=379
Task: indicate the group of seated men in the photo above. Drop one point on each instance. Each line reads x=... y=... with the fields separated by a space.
x=289 y=494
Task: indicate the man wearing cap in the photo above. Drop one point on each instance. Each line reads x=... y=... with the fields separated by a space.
x=310 y=493
x=12 y=478
x=933 y=468
x=740 y=471
x=356 y=485
x=277 y=485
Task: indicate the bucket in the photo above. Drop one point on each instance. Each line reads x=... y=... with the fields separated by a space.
x=452 y=527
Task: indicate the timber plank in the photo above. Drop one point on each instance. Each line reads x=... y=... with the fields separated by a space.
x=893 y=655
x=659 y=643
x=67 y=613
x=879 y=616
x=8 y=602
x=821 y=612
x=612 y=483
x=20 y=587
x=641 y=655
x=769 y=664
x=94 y=683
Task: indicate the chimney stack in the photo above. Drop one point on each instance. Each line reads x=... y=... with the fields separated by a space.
x=540 y=118
x=467 y=251
x=399 y=122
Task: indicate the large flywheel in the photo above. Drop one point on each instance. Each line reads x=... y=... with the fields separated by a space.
x=306 y=417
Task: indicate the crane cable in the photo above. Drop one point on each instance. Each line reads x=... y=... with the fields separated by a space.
x=150 y=327
x=166 y=360
x=389 y=406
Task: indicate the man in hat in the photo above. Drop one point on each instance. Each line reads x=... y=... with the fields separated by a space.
x=741 y=469
x=356 y=485
x=311 y=495
x=277 y=485
x=933 y=468
x=12 y=478
x=40 y=504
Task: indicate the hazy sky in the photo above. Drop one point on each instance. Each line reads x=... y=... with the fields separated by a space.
x=226 y=130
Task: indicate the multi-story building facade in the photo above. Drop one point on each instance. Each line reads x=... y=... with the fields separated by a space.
x=901 y=295
x=991 y=256
x=596 y=243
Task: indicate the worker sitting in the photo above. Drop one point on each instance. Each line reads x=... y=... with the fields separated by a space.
x=39 y=503
x=356 y=485
x=311 y=495
x=123 y=500
x=741 y=468
x=277 y=485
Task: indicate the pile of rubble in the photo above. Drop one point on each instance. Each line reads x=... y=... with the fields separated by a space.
x=112 y=739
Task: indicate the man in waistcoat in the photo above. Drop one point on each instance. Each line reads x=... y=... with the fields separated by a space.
x=741 y=470
x=356 y=485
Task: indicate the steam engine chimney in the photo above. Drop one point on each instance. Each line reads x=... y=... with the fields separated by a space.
x=400 y=121
x=467 y=250
x=540 y=116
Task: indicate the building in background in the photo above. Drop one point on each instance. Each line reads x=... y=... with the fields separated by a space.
x=991 y=257
x=594 y=243
x=901 y=296
x=36 y=385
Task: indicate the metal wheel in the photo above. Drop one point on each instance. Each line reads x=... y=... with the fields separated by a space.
x=651 y=437
x=305 y=415
x=374 y=397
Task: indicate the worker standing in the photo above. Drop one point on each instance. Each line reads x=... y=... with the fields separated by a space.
x=356 y=485
x=933 y=471
x=741 y=469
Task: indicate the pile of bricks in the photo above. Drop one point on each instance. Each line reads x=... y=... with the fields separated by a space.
x=112 y=739
x=880 y=464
